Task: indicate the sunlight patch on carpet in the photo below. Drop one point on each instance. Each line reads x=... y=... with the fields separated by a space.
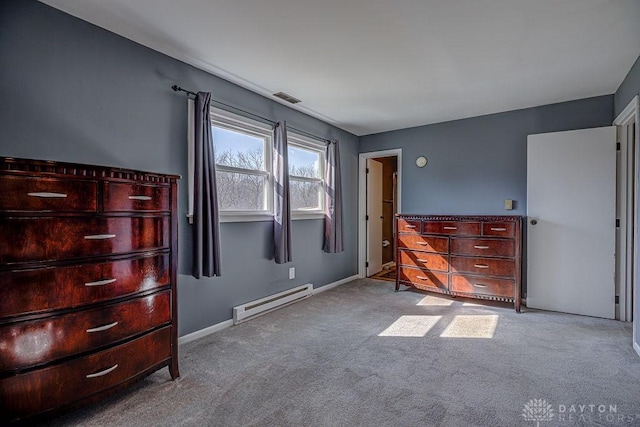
x=434 y=300
x=471 y=326
x=410 y=326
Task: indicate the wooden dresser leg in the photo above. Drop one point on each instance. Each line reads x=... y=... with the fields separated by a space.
x=173 y=370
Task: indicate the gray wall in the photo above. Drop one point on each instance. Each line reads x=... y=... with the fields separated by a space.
x=474 y=164
x=74 y=92
x=629 y=88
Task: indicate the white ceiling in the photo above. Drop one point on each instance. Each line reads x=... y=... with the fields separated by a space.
x=369 y=66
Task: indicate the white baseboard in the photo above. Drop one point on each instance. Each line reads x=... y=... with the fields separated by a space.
x=227 y=323
x=204 y=332
x=334 y=284
x=637 y=348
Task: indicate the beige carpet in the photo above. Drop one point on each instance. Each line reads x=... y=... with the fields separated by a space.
x=363 y=355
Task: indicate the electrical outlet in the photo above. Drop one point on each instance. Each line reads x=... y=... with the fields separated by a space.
x=508 y=204
x=292 y=273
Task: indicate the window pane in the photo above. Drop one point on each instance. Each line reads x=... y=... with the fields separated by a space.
x=241 y=192
x=238 y=149
x=304 y=195
x=304 y=163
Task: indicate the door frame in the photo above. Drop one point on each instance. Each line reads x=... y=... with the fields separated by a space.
x=630 y=114
x=362 y=200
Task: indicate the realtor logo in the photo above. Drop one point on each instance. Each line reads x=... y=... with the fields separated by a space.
x=537 y=410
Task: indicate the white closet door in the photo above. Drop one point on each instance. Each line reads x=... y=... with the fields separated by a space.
x=571 y=202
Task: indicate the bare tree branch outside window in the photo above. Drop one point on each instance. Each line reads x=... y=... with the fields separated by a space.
x=237 y=190
x=304 y=194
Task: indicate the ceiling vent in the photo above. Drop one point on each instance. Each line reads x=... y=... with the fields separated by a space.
x=286 y=97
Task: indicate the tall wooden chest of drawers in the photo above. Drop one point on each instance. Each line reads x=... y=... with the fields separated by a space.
x=470 y=256
x=88 y=259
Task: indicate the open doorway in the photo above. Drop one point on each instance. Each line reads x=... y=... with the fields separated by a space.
x=382 y=174
x=380 y=185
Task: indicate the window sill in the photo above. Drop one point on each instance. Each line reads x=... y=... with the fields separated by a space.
x=245 y=217
x=295 y=216
x=300 y=215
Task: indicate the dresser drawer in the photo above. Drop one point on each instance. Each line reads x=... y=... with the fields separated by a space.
x=482 y=286
x=424 y=279
x=119 y=197
x=484 y=266
x=423 y=243
x=499 y=229
x=464 y=228
x=39 y=239
x=430 y=261
x=32 y=291
x=24 y=194
x=35 y=342
x=409 y=226
x=55 y=386
x=483 y=247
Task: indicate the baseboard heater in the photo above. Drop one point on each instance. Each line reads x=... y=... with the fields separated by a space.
x=264 y=305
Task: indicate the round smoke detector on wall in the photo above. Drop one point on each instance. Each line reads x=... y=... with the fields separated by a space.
x=421 y=161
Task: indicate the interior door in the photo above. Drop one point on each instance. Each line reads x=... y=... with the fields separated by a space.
x=374 y=215
x=571 y=202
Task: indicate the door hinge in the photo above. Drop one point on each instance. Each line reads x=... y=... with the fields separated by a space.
x=617 y=299
x=366 y=218
x=617 y=146
x=366 y=264
x=367 y=170
x=617 y=223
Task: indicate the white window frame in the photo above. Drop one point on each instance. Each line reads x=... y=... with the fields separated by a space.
x=237 y=123
x=305 y=143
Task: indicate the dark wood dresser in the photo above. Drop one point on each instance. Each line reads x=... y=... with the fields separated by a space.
x=88 y=259
x=470 y=256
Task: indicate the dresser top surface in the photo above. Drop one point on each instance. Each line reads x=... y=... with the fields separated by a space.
x=511 y=218
x=17 y=166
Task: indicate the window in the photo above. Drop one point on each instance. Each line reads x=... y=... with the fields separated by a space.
x=244 y=174
x=243 y=165
x=306 y=175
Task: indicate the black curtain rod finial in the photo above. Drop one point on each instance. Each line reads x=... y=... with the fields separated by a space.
x=177 y=88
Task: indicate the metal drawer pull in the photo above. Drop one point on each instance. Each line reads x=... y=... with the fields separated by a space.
x=481 y=247
x=99 y=236
x=422 y=278
x=478 y=285
x=46 y=195
x=100 y=282
x=422 y=243
x=102 y=328
x=423 y=260
x=449 y=228
x=139 y=198
x=498 y=229
x=101 y=373
x=480 y=266
x=409 y=226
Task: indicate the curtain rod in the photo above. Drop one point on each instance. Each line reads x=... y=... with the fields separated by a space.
x=177 y=88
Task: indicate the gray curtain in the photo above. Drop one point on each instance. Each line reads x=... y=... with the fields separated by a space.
x=333 y=232
x=282 y=211
x=206 y=223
